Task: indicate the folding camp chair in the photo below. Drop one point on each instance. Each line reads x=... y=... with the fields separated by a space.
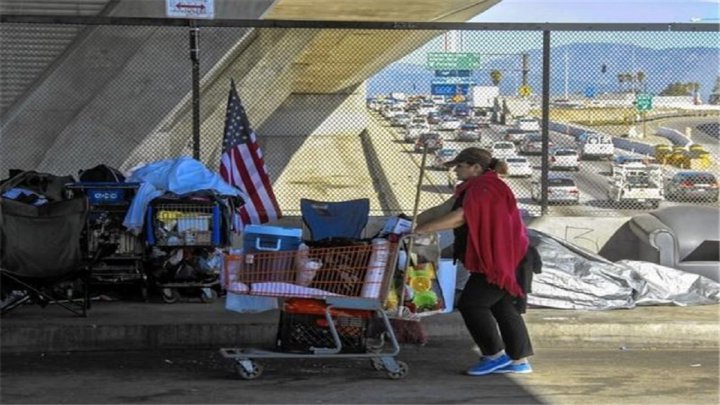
x=335 y=219
x=40 y=255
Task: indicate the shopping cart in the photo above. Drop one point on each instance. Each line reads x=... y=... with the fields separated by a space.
x=185 y=232
x=332 y=304
x=124 y=256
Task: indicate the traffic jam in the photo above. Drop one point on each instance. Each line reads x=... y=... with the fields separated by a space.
x=584 y=170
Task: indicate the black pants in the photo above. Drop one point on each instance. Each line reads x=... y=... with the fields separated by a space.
x=487 y=308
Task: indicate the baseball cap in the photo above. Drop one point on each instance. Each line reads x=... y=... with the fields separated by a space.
x=469 y=155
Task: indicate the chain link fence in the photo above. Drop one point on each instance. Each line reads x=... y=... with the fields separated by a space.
x=631 y=114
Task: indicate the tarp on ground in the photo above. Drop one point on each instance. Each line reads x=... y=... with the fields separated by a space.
x=575 y=278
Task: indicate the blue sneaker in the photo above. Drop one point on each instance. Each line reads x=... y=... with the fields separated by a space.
x=488 y=365
x=522 y=368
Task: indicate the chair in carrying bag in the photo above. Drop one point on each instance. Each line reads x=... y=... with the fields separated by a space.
x=40 y=255
x=335 y=219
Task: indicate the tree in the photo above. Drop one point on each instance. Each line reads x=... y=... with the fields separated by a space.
x=680 y=89
x=495 y=76
x=630 y=78
x=640 y=77
x=715 y=96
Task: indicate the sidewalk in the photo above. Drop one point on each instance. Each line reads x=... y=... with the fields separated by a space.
x=125 y=325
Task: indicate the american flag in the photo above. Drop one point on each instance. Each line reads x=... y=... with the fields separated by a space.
x=242 y=165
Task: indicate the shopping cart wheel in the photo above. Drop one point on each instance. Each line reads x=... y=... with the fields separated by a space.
x=208 y=295
x=248 y=369
x=401 y=371
x=170 y=295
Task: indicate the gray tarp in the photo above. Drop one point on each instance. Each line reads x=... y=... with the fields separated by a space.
x=574 y=278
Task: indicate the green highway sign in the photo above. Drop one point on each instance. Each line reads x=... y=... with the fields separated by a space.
x=453 y=60
x=643 y=102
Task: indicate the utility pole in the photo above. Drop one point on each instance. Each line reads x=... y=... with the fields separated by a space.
x=525 y=69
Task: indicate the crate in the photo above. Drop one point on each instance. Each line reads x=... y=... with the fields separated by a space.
x=303 y=326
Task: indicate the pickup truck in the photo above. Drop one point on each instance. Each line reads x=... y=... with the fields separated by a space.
x=637 y=186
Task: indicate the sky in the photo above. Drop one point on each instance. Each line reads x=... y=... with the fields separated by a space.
x=583 y=11
x=603 y=11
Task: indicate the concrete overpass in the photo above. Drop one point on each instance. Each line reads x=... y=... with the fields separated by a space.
x=120 y=96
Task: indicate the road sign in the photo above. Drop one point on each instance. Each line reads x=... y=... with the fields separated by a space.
x=449 y=89
x=453 y=73
x=453 y=60
x=643 y=102
x=454 y=80
x=190 y=8
x=525 y=91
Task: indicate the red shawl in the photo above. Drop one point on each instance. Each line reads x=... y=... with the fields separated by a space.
x=497 y=239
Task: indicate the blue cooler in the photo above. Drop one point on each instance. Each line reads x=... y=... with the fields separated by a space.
x=268 y=239
x=264 y=238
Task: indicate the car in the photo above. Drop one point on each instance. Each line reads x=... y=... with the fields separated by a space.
x=637 y=186
x=432 y=141
x=461 y=110
x=515 y=135
x=481 y=120
x=419 y=119
x=400 y=120
x=527 y=124
x=443 y=156
x=413 y=131
x=518 y=166
x=468 y=132
x=426 y=108
x=532 y=145
x=593 y=145
x=560 y=189
x=434 y=118
x=502 y=149
x=692 y=186
x=449 y=123
x=563 y=158
x=627 y=161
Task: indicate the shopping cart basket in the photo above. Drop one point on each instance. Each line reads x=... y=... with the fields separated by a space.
x=331 y=298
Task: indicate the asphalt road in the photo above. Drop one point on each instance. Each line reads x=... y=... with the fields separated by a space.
x=602 y=376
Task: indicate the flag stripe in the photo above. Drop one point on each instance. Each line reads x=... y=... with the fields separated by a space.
x=248 y=178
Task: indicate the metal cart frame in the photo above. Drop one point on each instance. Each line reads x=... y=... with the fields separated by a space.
x=282 y=267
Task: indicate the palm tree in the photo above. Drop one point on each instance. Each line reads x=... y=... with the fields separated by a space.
x=630 y=78
x=495 y=76
x=640 y=77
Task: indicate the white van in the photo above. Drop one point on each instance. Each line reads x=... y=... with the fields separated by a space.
x=527 y=124
x=595 y=146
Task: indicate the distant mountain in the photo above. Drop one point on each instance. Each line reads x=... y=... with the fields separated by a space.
x=584 y=62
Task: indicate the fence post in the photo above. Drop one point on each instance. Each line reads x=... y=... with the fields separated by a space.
x=194 y=57
x=545 y=122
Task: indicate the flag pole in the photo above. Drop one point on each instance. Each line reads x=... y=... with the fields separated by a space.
x=194 y=53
